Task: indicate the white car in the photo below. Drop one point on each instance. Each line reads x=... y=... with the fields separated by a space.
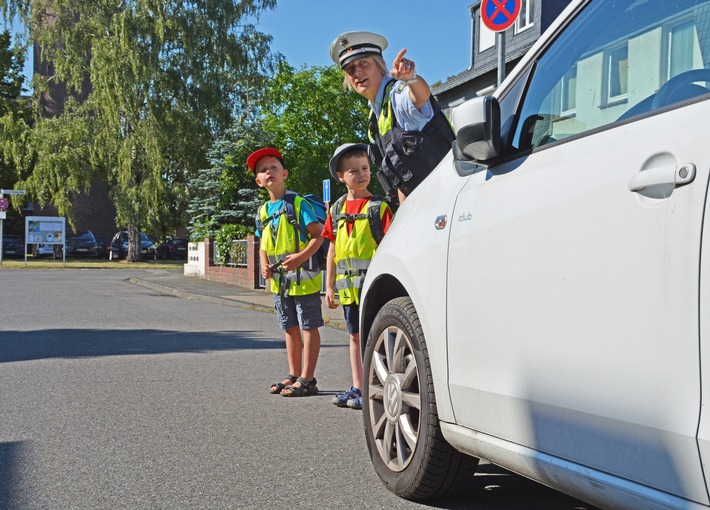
x=542 y=300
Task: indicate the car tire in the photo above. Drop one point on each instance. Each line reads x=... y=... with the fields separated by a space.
x=407 y=448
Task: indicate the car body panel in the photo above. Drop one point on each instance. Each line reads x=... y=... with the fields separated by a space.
x=524 y=360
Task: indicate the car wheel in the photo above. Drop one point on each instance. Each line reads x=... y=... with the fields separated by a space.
x=407 y=448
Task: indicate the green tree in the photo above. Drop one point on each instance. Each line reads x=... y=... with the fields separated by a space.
x=225 y=193
x=157 y=82
x=307 y=114
x=15 y=111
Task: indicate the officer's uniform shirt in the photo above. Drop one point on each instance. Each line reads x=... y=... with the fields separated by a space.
x=406 y=113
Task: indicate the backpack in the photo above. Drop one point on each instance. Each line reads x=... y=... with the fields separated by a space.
x=289 y=209
x=373 y=216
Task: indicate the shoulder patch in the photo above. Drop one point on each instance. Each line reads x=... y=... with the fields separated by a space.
x=400 y=88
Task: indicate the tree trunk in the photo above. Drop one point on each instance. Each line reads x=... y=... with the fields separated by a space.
x=134 y=245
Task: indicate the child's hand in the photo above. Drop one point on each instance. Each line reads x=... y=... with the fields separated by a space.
x=291 y=262
x=330 y=298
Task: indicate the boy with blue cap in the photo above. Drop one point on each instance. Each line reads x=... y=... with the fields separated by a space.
x=355 y=226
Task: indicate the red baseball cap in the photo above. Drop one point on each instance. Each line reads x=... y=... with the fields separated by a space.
x=257 y=155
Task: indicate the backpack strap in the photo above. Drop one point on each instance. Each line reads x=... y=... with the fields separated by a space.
x=335 y=213
x=373 y=215
x=261 y=224
x=292 y=217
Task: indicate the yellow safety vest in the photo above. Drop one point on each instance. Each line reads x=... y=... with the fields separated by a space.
x=353 y=253
x=277 y=246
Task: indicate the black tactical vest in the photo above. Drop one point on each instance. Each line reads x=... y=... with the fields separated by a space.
x=407 y=157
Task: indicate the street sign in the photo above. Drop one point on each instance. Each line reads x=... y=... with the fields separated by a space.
x=498 y=15
x=4 y=204
x=3 y=215
x=12 y=191
x=326 y=190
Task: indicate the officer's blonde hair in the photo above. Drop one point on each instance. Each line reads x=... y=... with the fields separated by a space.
x=379 y=61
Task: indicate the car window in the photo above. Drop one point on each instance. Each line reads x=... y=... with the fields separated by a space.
x=615 y=61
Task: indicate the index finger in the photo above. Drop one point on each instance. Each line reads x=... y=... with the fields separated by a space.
x=399 y=57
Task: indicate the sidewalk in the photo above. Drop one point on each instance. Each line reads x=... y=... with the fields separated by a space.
x=175 y=283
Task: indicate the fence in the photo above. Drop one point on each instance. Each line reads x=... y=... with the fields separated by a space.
x=242 y=262
x=237 y=255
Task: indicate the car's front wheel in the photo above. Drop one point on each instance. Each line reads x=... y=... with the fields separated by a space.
x=407 y=448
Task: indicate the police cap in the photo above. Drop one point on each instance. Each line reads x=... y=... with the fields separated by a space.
x=340 y=151
x=353 y=45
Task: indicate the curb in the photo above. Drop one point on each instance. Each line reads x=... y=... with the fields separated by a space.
x=171 y=291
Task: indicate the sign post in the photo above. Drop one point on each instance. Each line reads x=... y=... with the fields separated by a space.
x=4 y=204
x=499 y=15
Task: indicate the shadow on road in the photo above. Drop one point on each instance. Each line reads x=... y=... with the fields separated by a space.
x=494 y=488
x=78 y=343
x=10 y=460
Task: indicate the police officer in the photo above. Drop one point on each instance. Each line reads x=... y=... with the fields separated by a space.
x=409 y=133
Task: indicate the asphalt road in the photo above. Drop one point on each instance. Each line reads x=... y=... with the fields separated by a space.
x=114 y=396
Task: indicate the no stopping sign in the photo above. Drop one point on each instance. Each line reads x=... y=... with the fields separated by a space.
x=498 y=15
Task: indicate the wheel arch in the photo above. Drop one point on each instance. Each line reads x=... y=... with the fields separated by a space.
x=383 y=289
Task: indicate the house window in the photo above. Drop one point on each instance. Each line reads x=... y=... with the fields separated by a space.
x=486 y=36
x=526 y=17
x=616 y=65
x=569 y=92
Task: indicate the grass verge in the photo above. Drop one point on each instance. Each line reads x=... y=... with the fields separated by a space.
x=33 y=263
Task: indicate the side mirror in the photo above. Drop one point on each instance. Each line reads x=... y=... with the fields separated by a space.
x=477 y=126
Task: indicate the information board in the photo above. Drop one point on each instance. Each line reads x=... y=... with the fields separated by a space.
x=44 y=230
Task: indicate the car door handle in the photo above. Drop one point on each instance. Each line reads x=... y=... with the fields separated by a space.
x=677 y=176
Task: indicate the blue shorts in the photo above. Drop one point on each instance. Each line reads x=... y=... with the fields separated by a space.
x=303 y=311
x=352 y=318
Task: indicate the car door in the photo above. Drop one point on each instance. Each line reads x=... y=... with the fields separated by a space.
x=574 y=275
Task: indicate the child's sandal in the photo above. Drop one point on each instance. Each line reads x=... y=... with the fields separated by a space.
x=278 y=387
x=305 y=389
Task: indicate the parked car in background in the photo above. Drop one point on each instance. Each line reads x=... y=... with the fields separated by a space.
x=119 y=246
x=47 y=250
x=12 y=246
x=542 y=299
x=104 y=246
x=172 y=248
x=82 y=245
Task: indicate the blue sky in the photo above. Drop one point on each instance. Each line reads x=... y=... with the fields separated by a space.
x=437 y=35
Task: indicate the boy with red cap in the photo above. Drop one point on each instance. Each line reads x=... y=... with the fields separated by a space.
x=287 y=259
